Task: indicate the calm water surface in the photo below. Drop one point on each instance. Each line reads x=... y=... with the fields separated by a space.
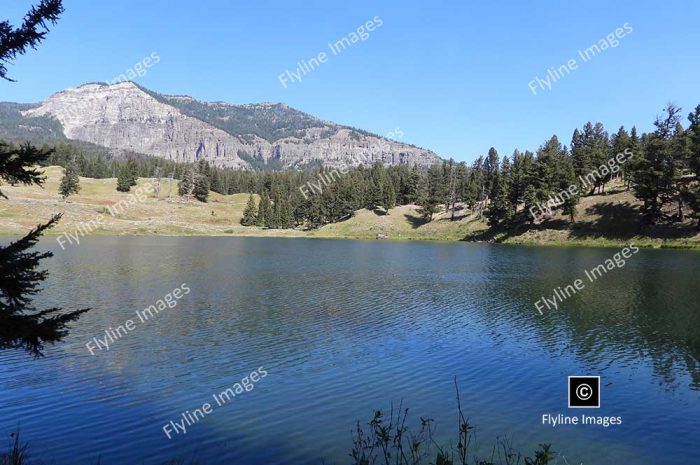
x=347 y=327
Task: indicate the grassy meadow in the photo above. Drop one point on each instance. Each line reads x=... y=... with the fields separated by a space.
x=603 y=220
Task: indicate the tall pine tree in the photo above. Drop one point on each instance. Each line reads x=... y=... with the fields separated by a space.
x=70 y=183
x=21 y=324
x=250 y=212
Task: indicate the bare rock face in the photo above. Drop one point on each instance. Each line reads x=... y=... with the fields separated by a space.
x=127 y=117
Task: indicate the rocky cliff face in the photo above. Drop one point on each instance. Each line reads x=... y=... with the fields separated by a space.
x=125 y=116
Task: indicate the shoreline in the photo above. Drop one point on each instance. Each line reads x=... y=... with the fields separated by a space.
x=608 y=243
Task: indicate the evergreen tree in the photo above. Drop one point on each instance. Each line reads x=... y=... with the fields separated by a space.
x=124 y=179
x=70 y=183
x=264 y=211
x=194 y=183
x=461 y=182
x=409 y=191
x=693 y=193
x=676 y=167
x=637 y=155
x=598 y=144
x=479 y=184
x=250 y=212
x=548 y=168
x=377 y=184
x=491 y=165
x=389 y=201
x=500 y=210
x=589 y=150
x=132 y=171
x=619 y=143
x=653 y=178
x=201 y=189
x=275 y=217
x=429 y=197
x=571 y=197
x=188 y=184
x=472 y=188
x=530 y=200
x=216 y=183
x=21 y=325
x=285 y=218
x=580 y=154
x=203 y=182
x=521 y=177
x=16 y=41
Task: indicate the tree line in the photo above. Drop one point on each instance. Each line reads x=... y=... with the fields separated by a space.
x=660 y=167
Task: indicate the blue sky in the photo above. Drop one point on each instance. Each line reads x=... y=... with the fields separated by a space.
x=453 y=76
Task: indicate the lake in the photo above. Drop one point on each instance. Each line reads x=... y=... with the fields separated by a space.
x=343 y=328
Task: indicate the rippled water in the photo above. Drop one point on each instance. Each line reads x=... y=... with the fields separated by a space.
x=347 y=327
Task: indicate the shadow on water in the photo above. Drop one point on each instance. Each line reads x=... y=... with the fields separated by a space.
x=645 y=310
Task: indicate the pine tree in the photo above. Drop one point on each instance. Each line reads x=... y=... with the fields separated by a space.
x=500 y=210
x=16 y=41
x=676 y=167
x=409 y=193
x=652 y=180
x=124 y=179
x=429 y=197
x=571 y=197
x=194 y=183
x=250 y=212
x=70 y=183
x=619 y=143
x=389 y=201
x=547 y=169
x=132 y=171
x=530 y=200
x=285 y=216
x=264 y=211
x=491 y=166
x=478 y=185
x=21 y=326
x=216 y=182
x=201 y=190
x=273 y=220
x=589 y=150
x=580 y=154
x=693 y=194
x=203 y=182
x=378 y=180
x=637 y=155
x=521 y=174
x=598 y=143
x=188 y=184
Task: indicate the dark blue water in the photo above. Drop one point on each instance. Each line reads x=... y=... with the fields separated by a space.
x=346 y=327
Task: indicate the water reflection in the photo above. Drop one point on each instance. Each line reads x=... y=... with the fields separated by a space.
x=344 y=327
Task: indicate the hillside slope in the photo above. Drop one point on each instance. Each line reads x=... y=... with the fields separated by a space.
x=603 y=219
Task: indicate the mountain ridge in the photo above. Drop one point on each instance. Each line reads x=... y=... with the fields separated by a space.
x=128 y=118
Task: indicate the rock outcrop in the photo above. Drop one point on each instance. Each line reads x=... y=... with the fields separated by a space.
x=127 y=117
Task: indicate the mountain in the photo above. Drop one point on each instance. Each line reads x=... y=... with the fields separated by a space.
x=127 y=118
